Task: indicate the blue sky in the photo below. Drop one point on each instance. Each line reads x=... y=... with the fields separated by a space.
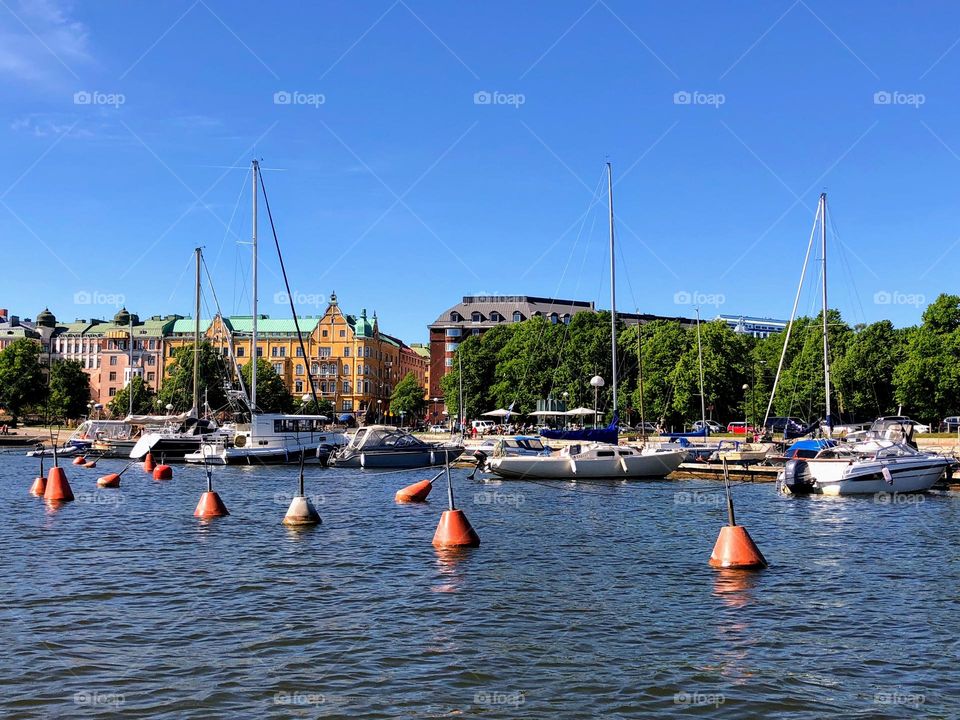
x=403 y=189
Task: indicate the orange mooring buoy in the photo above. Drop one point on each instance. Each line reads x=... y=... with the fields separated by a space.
x=735 y=548
x=454 y=529
x=109 y=481
x=79 y=460
x=58 y=489
x=163 y=472
x=414 y=493
x=148 y=463
x=210 y=505
x=39 y=486
x=90 y=464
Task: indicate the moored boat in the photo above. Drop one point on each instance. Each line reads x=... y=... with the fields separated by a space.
x=387 y=446
x=272 y=438
x=594 y=461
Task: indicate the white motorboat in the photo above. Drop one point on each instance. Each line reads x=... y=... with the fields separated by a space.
x=864 y=468
x=595 y=461
x=272 y=438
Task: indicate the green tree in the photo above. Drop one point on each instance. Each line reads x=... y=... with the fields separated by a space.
x=69 y=390
x=21 y=377
x=144 y=399
x=408 y=397
x=272 y=393
x=177 y=389
x=313 y=406
x=927 y=381
x=863 y=374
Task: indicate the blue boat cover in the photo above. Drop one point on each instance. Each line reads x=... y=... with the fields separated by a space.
x=609 y=434
x=702 y=432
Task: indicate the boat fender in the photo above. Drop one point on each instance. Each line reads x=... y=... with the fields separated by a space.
x=363 y=460
x=623 y=464
x=573 y=466
x=239 y=441
x=887 y=477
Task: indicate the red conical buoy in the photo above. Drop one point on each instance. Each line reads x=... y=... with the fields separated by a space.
x=109 y=481
x=58 y=489
x=148 y=463
x=414 y=493
x=455 y=530
x=736 y=550
x=163 y=472
x=39 y=486
x=79 y=460
x=210 y=505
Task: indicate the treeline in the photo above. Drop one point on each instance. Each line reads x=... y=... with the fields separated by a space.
x=874 y=368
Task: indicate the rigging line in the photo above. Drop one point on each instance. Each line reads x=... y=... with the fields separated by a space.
x=227 y=230
x=233 y=356
x=296 y=322
x=176 y=285
x=847 y=265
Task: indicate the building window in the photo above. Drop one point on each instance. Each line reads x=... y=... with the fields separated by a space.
x=452 y=347
x=299 y=351
x=324 y=352
x=113 y=376
x=566 y=318
x=476 y=317
x=323 y=386
x=554 y=318
x=346 y=405
x=299 y=369
x=259 y=352
x=496 y=317
x=346 y=352
x=453 y=332
x=343 y=333
x=240 y=351
x=475 y=331
x=346 y=386
x=298 y=386
x=456 y=317
x=275 y=351
x=346 y=369
x=324 y=333
x=151 y=376
x=359 y=369
x=366 y=386
x=315 y=369
x=278 y=368
x=283 y=352
x=113 y=359
x=113 y=392
x=448 y=362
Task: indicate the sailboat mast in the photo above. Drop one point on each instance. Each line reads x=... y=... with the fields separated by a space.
x=613 y=289
x=130 y=371
x=253 y=329
x=703 y=400
x=826 y=343
x=196 y=338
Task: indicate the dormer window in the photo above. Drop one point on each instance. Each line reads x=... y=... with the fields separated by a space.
x=456 y=317
x=476 y=317
x=517 y=316
x=554 y=318
x=566 y=318
x=496 y=317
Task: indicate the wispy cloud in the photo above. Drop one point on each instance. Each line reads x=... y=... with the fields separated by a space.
x=41 y=43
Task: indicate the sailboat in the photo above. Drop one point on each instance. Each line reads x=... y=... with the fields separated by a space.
x=172 y=437
x=880 y=464
x=594 y=459
x=270 y=437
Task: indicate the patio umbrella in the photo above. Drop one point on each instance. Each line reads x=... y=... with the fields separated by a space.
x=498 y=413
x=579 y=411
x=543 y=413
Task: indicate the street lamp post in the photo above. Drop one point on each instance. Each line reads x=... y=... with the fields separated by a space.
x=746 y=419
x=566 y=417
x=597 y=382
x=379 y=410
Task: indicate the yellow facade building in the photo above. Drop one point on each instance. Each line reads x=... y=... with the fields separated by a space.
x=353 y=364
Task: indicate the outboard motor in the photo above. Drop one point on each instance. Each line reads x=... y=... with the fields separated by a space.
x=797 y=478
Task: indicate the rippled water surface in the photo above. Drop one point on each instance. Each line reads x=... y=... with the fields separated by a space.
x=583 y=601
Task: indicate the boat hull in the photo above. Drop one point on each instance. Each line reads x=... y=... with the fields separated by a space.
x=633 y=467
x=395 y=459
x=903 y=475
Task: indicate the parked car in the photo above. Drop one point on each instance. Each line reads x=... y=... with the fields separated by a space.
x=482 y=426
x=950 y=424
x=438 y=428
x=647 y=428
x=739 y=428
x=780 y=425
x=713 y=427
